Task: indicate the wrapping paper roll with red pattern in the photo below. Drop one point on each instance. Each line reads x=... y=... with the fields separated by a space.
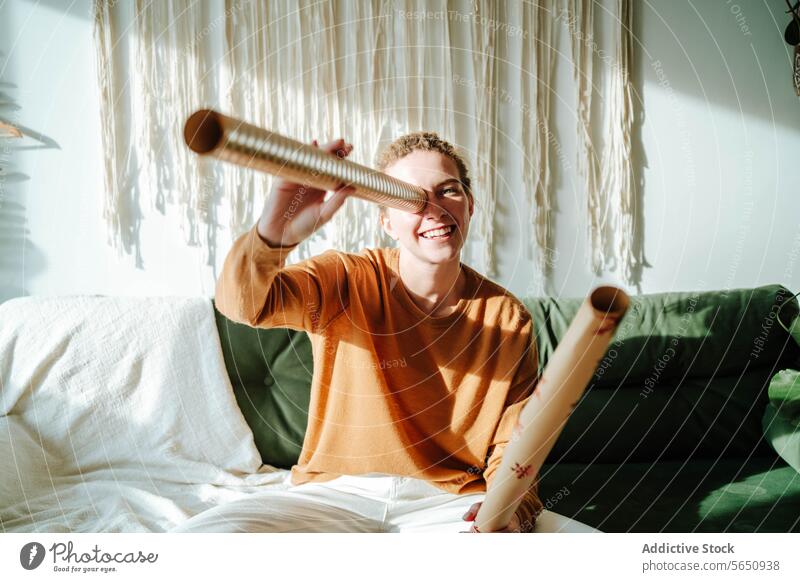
x=561 y=385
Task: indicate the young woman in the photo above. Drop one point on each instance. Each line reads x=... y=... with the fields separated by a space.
x=421 y=365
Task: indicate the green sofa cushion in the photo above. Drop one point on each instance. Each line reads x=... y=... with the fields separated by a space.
x=693 y=418
x=270 y=370
x=718 y=333
x=723 y=495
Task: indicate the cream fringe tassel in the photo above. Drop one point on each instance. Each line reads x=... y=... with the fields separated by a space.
x=537 y=87
x=618 y=185
x=581 y=25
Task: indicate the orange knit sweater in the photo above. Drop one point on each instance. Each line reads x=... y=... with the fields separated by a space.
x=394 y=390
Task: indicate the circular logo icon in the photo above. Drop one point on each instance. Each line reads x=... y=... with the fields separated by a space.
x=31 y=555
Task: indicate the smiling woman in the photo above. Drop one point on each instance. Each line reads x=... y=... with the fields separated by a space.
x=430 y=242
x=411 y=435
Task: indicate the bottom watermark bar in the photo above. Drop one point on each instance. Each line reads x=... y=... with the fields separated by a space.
x=43 y=556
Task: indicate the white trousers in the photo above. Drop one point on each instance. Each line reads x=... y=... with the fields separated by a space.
x=373 y=502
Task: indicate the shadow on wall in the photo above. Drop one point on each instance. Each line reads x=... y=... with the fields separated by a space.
x=721 y=52
x=639 y=160
x=133 y=194
x=726 y=54
x=19 y=258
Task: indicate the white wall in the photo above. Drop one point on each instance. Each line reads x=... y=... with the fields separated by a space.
x=719 y=143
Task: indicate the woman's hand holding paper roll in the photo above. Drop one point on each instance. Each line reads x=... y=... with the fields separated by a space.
x=514 y=525
x=293 y=212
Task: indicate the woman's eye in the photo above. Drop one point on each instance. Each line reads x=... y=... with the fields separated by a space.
x=450 y=191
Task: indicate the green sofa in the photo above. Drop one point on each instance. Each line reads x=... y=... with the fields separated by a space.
x=668 y=436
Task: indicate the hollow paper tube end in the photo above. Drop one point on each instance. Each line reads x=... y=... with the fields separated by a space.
x=610 y=300
x=203 y=131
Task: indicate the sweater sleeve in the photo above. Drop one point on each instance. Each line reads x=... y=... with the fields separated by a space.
x=256 y=288
x=522 y=386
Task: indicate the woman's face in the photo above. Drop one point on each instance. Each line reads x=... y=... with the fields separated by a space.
x=448 y=205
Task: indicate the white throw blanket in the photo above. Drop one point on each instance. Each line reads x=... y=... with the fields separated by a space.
x=117 y=414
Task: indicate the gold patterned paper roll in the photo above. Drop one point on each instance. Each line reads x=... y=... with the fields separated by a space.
x=213 y=134
x=541 y=421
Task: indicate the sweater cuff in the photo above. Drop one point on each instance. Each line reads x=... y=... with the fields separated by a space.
x=263 y=251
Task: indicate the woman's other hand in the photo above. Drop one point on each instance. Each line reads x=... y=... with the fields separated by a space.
x=514 y=525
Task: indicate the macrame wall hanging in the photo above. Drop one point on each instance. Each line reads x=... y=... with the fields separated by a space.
x=538 y=62
x=292 y=67
x=483 y=66
x=117 y=235
x=580 y=20
x=618 y=183
x=609 y=184
x=300 y=69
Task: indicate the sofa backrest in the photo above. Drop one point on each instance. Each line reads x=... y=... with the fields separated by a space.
x=685 y=376
x=734 y=330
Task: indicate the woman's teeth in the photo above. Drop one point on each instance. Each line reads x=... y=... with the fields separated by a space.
x=438 y=233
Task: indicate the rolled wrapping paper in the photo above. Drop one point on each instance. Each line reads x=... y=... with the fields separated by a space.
x=209 y=133
x=541 y=421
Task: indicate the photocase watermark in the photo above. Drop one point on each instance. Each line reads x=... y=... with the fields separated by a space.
x=550 y=503
x=472 y=471
x=652 y=380
x=463 y=17
x=682 y=127
x=66 y=559
x=98 y=5
x=499 y=92
x=297 y=199
x=552 y=257
x=612 y=353
x=587 y=39
x=766 y=325
x=526 y=110
x=745 y=226
x=206 y=194
x=739 y=16
x=383 y=364
x=332 y=347
x=794 y=252
x=190 y=47
x=31 y=555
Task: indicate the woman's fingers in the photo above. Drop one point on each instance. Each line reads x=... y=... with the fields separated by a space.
x=338 y=147
x=472 y=512
x=333 y=203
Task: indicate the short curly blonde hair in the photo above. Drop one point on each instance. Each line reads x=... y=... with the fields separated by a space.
x=427 y=141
